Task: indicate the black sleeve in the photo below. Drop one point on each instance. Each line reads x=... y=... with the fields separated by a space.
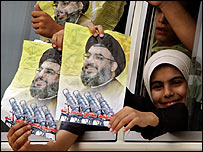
x=173 y=118
x=138 y=102
x=79 y=129
x=74 y=128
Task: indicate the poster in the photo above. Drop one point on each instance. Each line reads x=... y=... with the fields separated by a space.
x=105 y=13
x=32 y=93
x=93 y=76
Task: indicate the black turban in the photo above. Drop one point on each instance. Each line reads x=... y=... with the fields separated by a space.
x=113 y=46
x=51 y=53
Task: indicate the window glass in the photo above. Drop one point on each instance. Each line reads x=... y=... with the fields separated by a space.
x=195 y=80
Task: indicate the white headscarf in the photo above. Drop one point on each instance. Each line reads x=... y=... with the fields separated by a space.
x=169 y=56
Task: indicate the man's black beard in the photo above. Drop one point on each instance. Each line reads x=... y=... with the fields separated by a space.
x=42 y=93
x=103 y=76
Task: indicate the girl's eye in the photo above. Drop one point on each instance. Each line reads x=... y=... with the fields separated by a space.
x=177 y=82
x=157 y=86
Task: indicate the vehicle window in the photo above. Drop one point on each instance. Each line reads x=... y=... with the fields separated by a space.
x=194 y=96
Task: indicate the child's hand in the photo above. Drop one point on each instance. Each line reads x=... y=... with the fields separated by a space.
x=43 y=23
x=18 y=136
x=95 y=29
x=57 y=40
x=132 y=117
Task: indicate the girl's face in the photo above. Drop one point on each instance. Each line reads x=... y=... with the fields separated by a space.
x=168 y=86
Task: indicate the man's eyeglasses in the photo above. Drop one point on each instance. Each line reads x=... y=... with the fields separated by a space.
x=99 y=57
x=64 y=4
x=47 y=71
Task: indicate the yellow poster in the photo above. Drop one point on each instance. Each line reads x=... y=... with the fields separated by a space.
x=32 y=94
x=93 y=75
x=105 y=13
